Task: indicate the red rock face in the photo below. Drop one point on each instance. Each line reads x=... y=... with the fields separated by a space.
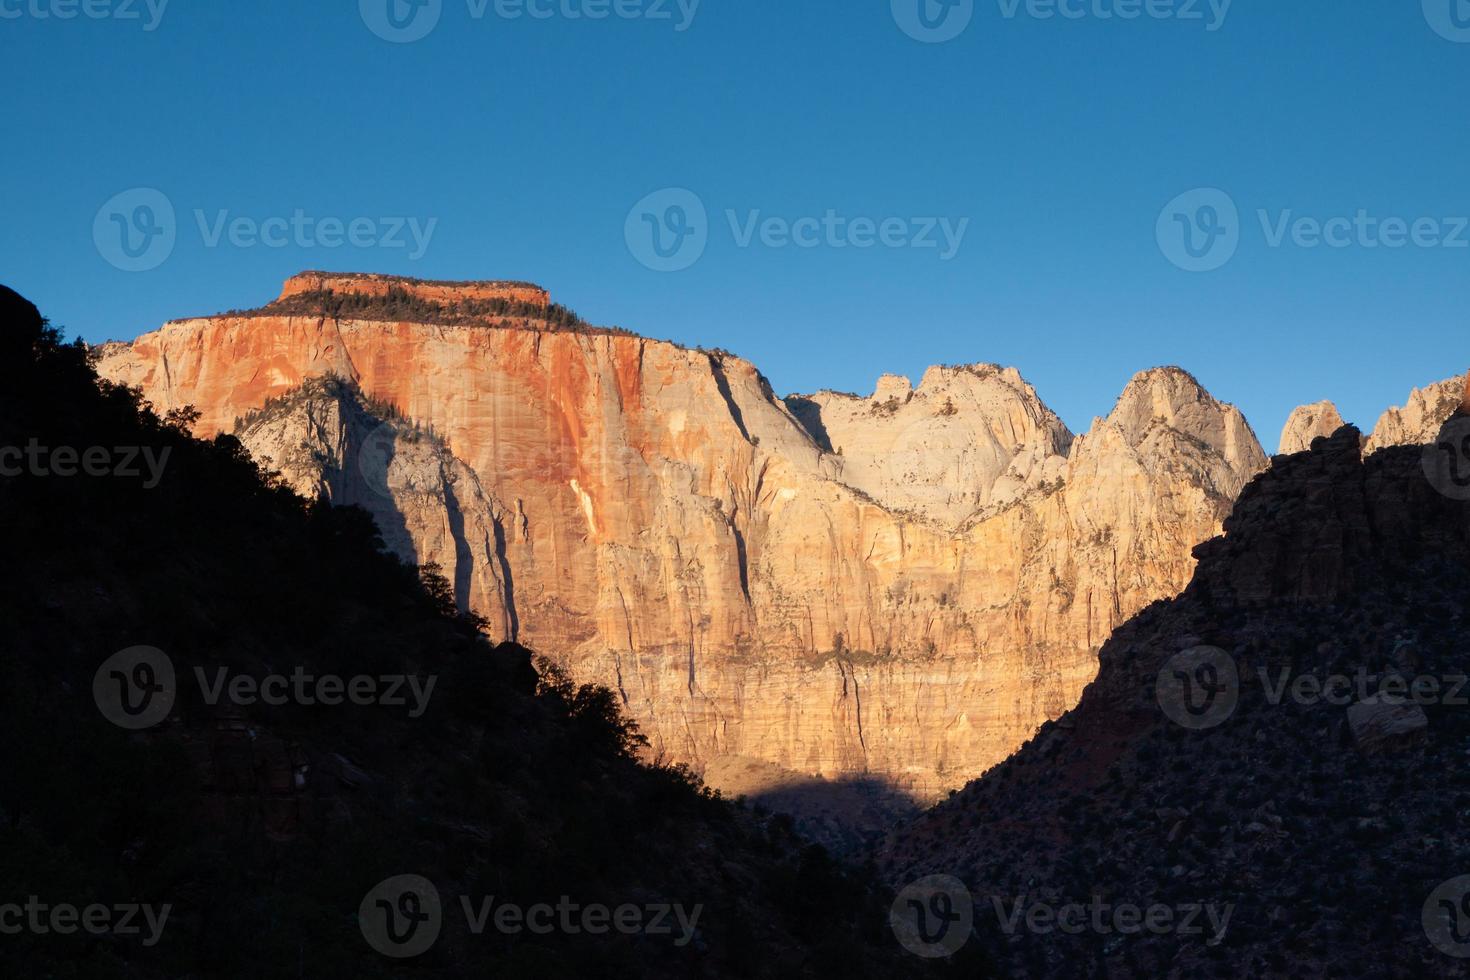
x=665 y=526
x=437 y=292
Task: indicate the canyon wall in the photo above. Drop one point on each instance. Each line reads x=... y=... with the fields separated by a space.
x=898 y=588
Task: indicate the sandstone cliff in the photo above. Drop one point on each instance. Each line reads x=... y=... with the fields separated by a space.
x=1418 y=420
x=1307 y=422
x=664 y=524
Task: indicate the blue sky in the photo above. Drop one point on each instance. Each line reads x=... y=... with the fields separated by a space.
x=1053 y=143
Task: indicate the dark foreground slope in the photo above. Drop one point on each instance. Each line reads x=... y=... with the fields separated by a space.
x=264 y=828
x=1193 y=817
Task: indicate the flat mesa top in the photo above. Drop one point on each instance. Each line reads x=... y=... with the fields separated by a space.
x=347 y=277
x=374 y=284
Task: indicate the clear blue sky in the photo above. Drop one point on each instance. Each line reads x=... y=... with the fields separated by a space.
x=529 y=140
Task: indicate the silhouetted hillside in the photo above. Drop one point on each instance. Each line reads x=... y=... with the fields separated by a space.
x=1283 y=747
x=265 y=827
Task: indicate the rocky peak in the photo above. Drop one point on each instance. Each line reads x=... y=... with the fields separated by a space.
x=1168 y=425
x=1171 y=396
x=1418 y=421
x=965 y=438
x=1306 y=423
x=892 y=386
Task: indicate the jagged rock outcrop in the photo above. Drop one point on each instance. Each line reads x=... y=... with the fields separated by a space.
x=966 y=438
x=669 y=528
x=1417 y=422
x=1307 y=422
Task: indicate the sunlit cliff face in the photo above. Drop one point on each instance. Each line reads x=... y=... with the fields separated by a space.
x=899 y=587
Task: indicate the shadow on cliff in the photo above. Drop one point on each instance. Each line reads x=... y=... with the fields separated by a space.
x=847 y=816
